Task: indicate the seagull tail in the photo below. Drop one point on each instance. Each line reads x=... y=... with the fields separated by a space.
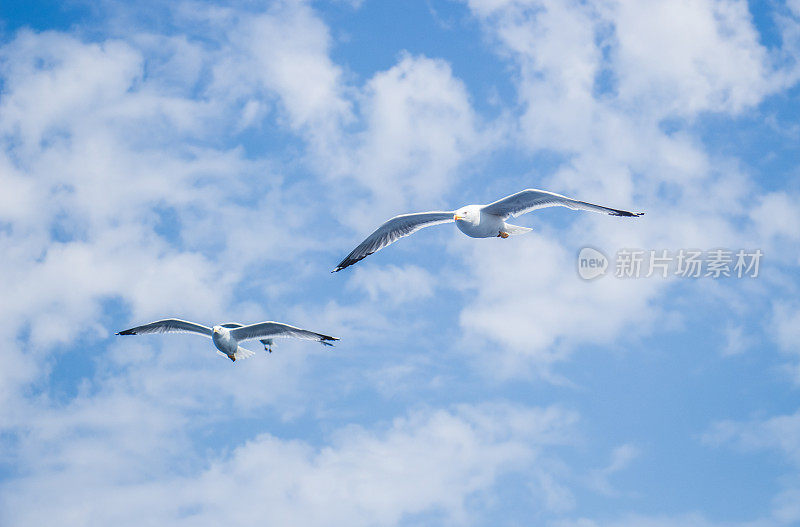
x=243 y=353
x=515 y=229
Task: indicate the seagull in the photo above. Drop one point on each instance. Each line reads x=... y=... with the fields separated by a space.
x=476 y=221
x=227 y=337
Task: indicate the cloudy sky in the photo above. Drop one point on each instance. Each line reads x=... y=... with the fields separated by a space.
x=215 y=160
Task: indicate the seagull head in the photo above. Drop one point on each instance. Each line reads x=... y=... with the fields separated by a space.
x=470 y=214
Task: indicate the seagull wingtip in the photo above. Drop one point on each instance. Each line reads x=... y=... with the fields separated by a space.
x=327 y=340
x=627 y=214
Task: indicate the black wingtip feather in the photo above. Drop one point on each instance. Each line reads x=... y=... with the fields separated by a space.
x=627 y=214
x=347 y=262
x=350 y=260
x=343 y=265
x=126 y=332
x=325 y=340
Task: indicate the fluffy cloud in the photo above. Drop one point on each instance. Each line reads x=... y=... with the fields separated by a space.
x=393 y=284
x=679 y=58
x=786 y=332
x=538 y=308
x=595 y=84
x=621 y=458
x=81 y=232
x=431 y=461
x=280 y=54
x=126 y=185
x=420 y=128
x=787 y=326
x=124 y=189
x=641 y=520
x=401 y=136
x=780 y=433
x=120 y=186
x=686 y=57
x=777 y=218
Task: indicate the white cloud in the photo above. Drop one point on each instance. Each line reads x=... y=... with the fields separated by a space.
x=621 y=458
x=676 y=58
x=539 y=309
x=120 y=195
x=393 y=284
x=642 y=520
x=786 y=320
x=780 y=433
x=682 y=58
x=556 y=497
x=62 y=79
x=777 y=220
x=786 y=506
x=401 y=136
x=552 y=44
x=420 y=128
x=736 y=340
x=595 y=82
x=109 y=142
x=282 y=51
x=784 y=328
x=125 y=192
x=431 y=461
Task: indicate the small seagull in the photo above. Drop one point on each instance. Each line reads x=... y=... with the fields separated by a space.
x=476 y=221
x=227 y=337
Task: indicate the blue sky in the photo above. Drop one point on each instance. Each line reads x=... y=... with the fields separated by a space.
x=214 y=161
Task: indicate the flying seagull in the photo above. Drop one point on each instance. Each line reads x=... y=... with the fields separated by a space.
x=476 y=221
x=227 y=337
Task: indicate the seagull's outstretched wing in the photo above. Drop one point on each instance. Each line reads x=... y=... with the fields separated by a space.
x=393 y=230
x=276 y=329
x=532 y=199
x=266 y=342
x=169 y=325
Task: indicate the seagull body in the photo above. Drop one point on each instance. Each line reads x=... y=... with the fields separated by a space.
x=226 y=337
x=225 y=342
x=476 y=221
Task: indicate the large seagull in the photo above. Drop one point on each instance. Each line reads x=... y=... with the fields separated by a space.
x=226 y=337
x=476 y=221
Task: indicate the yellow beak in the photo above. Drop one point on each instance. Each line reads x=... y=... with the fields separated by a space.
x=457 y=217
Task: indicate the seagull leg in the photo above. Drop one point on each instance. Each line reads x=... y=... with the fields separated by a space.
x=503 y=235
x=232 y=358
